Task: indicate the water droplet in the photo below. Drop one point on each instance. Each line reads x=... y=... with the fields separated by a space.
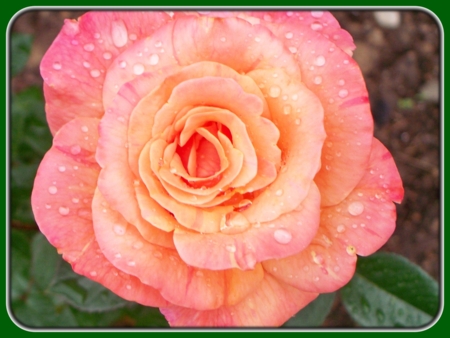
x=317 y=14
x=294 y=97
x=63 y=211
x=257 y=39
x=74 y=42
x=346 y=62
x=297 y=121
x=132 y=37
x=289 y=35
x=138 y=69
x=351 y=250
x=340 y=228
x=52 y=190
x=287 y=109
x=230 y=248
x=138 y=245
x=93 y=273
x=48 y=206
x=122 y=64
x=95 y=73
x=61 y=168
x=75 y=150
x=107 y=55
x=320 y=61
x=282 y=236
x=154 y=59
x=274 y=269
x=343 y=93
x=336 y=268
x=316 y=26
x=157 y=254
x=341 y=82
x=57 y=65
x=128 y=286
x=355 y=208
x=118 y=255
x=119 y=33
x=131 y=263
x=120 y=230
x=86 y=64
x=365 y=305
x=293 y=49
x=274 y=91
x=279 y=192
x=84 y=129
x=158 y=44
x=318 y=80
x=88 y=47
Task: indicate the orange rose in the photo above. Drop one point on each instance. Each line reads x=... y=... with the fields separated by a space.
x=220 y=166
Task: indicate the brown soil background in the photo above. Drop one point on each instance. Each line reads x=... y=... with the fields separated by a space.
x=398 y=64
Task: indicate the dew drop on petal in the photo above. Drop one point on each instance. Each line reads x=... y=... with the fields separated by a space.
x=57 y=65
x=61 y=169
x=138 y=69
x=63 y=211
x=133 y=37
x=84 y=129
x=122 y=64
x=355 y=208
x=316 y=26
x=294 y=97
x=128 y=286
x=118 y=255
x=75 y=150
x=86 y=64
x=107 y=55
x=287 y=109
x=341 y=82
x=297 y=121
x=293 y=49
x=52 y=190
x=95 y=73
x=120 y=230
x=279 y=192
x=282 y=236
x=274 y=91
x=48 y=206
x=75 y=200
x=131 y=263
x=119 y=33
x=157 y=254
x=257 y=39
x=320 y=61
x=318 y=80
x=343 y=93
x=88 y=47
x=93 y=273
x=289 y=35
x=231 y=248
x=316 y=14
x=340 y=228
x=154 y=59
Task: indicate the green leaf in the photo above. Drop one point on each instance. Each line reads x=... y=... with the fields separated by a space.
x=40 y=310
x=314 y=314
x=20 y=264
x=20 y=51
x=45 y=261
x=390 y=291
x=142 y=316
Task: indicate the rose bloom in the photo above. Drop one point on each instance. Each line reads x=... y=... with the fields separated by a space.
x=219 y=166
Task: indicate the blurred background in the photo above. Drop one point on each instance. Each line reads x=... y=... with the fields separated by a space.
x=399 y=55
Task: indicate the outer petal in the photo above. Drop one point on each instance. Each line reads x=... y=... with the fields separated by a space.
x=255 y=310
x=360 y=224
x=61 y=202
x=74 y=67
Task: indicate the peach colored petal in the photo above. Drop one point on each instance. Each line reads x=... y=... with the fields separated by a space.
x=74 y=67
x=336 y=80
x=222 y=40
x=366 y=218
x=154 y=265
x=255 y=310
x=116 y=180
x=287 y=235
x=61 y=202
x=298 y=115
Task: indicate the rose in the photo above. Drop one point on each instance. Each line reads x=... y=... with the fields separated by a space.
x=220 y=166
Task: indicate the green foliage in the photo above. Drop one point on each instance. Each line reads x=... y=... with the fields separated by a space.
x=390 y=291
x=314 y=314
x=20 y=51
x=50 y=294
